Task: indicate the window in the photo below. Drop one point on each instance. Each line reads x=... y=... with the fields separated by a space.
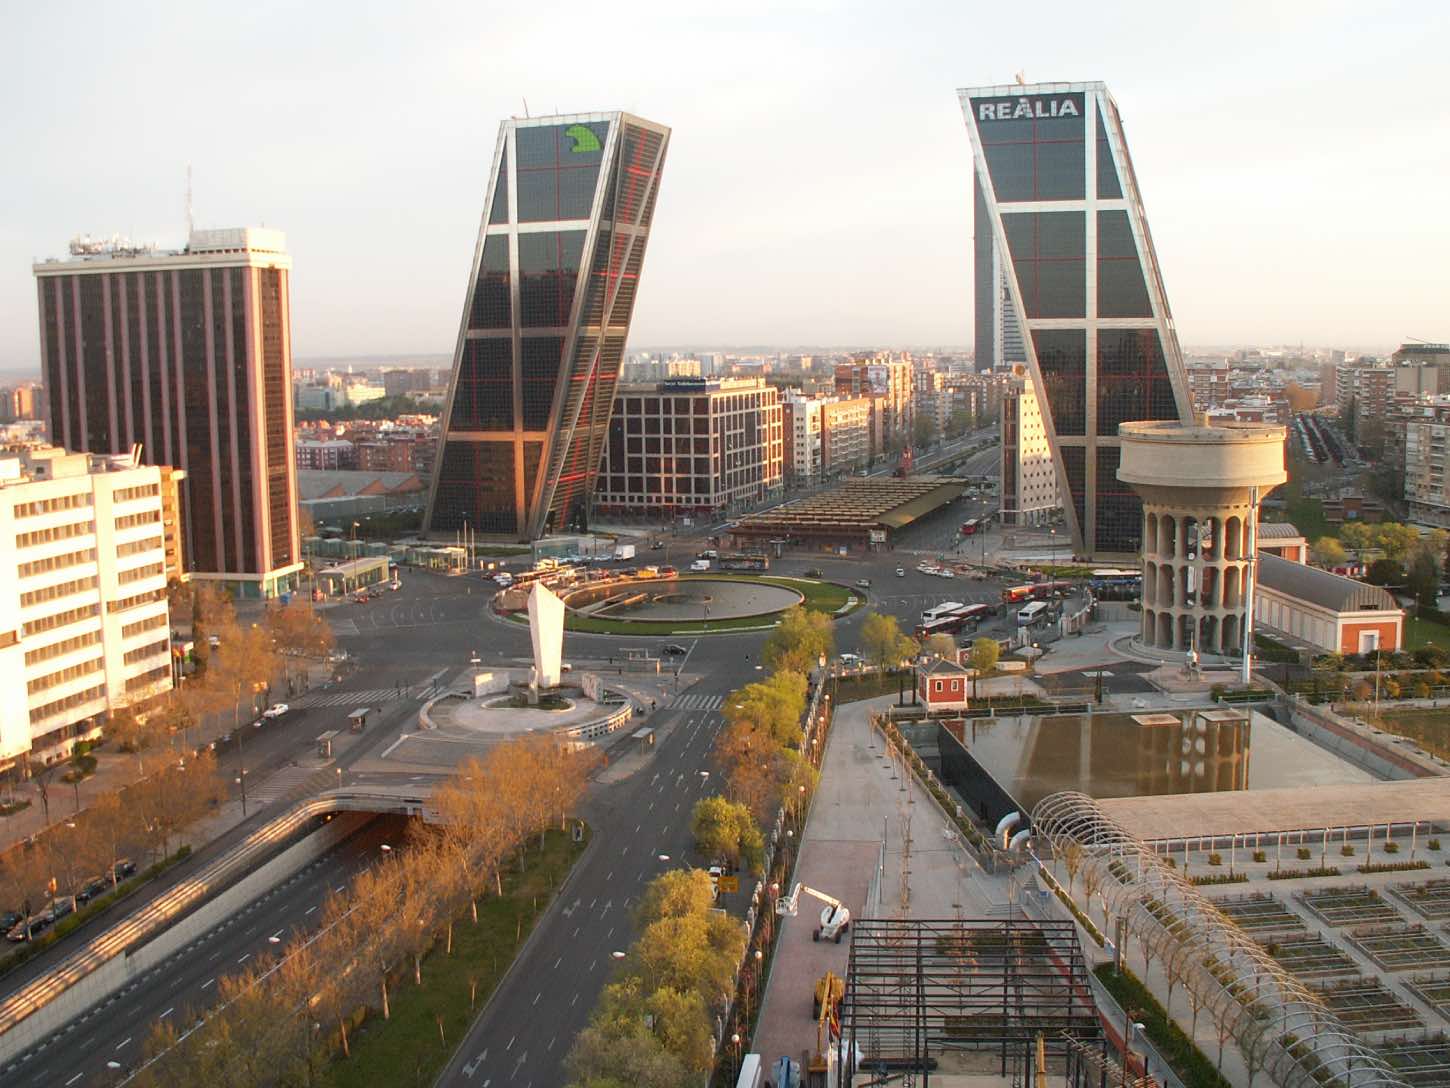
x=130 y=630
x=64 y=646
x=146 y=679
x=56 y=562
x=136 y=547
x=50 y=506
x=61 y=619
x=61 y=676
x=80 y=698
x=51 y=593
x=141 y=653
x=1048 y=254
x=1121 y=290
x=127 y=603
x=1034 y=155
x=50 y=536
x=130 y=521
x=144 y=491
x=150 y=570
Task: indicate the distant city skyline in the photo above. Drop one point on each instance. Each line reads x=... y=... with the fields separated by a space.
x=820 y=177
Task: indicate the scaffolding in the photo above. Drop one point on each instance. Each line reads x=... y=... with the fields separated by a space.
x=919 y=989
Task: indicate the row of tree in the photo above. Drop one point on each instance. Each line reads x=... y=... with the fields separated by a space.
x=654 y=1024
x=141 y=822
x=280 y=1021
x=1399 y=556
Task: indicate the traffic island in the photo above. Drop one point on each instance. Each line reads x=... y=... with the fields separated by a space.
x=678 y=606
x=427 y=1022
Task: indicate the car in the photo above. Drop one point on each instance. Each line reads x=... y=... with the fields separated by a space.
x=901 y=572
x=863 y=583
x=504 y=579
x=59 y=908
x=259 y=723
x=674 y=649
x=708 y=553
x=124 y=868
x=668 y=572
x=96 y=886
x=10 y=919
x=814 y=572
x=474 y=659
x=945 y=572
x=657 y=546
x=276 y=710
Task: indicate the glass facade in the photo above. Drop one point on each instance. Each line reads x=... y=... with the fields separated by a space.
x=536 y=368
x=1066 y=235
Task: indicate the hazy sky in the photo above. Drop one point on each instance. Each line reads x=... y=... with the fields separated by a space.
x=1294 y=158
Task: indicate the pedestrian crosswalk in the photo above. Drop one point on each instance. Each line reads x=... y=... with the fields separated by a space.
x=371 y=697
x=284 y=782
x=697 y=701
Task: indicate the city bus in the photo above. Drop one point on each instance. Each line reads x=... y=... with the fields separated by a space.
x=953 y=622
x=1112 y=584
x=1032 y=613
x=1017 y=594
x=946 y=608
x=743 y=561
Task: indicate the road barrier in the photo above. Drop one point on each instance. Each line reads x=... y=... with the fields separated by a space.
x=107 y=955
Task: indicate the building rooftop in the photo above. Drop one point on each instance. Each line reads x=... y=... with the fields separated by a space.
x=1332 y=591
x=1278 y=530
x=340 y=483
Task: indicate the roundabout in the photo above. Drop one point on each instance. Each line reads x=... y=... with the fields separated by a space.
x=671 y=600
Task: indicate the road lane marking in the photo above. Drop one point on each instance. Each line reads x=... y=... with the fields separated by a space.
x=537 y=996
x=575 y=997
x=207 y=983
x=511 y=1042
x=308 y=911
x=73 y=1079
x=167 y=1013
x=123 y=1042
x=245 y=958
x=557 y=962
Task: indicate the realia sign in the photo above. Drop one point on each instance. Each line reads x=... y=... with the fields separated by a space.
x=1029 y=108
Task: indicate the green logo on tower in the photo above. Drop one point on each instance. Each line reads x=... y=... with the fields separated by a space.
x=584 y=139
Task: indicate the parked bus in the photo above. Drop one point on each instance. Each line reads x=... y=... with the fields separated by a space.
x=1045 y=591
x=742 y=561
x=953 y=622
x=1113 y=585
x=1032 y=613
x=1017 y=594
x=946 y=608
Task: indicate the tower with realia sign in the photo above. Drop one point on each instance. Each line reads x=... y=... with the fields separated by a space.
x=550 y=296
x=1060 y=225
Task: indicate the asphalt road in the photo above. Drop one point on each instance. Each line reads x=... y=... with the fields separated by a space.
x=400 y=642
x=185 y=985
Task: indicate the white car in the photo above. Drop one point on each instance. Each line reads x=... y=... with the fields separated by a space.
x=504 y=579
x=901 y=572
x=276 y=710
x=945 y=573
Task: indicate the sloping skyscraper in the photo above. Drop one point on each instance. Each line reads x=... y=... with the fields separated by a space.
x=550 y=296
x=1056 y=188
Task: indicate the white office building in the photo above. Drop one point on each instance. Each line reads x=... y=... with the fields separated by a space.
x=84 y=623
x=1029 y=491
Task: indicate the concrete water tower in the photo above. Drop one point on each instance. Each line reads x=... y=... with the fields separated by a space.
x=1201 y=487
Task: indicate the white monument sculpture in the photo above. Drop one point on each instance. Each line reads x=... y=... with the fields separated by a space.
x=546 y=629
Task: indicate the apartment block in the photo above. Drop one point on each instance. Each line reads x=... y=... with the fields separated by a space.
x=845 y=435
x=84 y=623
x=801 y=420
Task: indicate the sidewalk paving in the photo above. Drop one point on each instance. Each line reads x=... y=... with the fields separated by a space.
x=863 y=801
x=116 y=769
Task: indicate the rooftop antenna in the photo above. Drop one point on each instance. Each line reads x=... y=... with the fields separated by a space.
x=1021 y=78
x=189 y=226
x=526 y=108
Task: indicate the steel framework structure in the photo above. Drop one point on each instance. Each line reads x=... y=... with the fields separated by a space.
x=1279 y=1024
x=917 y=988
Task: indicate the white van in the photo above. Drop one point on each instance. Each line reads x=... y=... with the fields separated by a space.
x=700 y=564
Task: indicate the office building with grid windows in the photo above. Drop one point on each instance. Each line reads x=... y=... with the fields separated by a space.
x=1057 y=192
x=550 y=296
x=187 y=354
x=692 y=446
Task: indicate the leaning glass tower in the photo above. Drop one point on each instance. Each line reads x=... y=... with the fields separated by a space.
x=545 y=319
x=1060 y=222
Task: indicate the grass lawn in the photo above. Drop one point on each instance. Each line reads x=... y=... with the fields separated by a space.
x=822 y=596
x=405 y=1049
x=1427 y=726
x=851 y=689
x=1419 y=631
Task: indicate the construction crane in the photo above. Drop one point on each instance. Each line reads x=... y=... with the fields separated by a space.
x=835 y=918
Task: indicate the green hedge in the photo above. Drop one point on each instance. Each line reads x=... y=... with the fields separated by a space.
x=1177 y=1049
